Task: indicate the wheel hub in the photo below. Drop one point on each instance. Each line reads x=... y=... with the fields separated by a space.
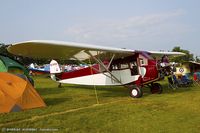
x=134 y=92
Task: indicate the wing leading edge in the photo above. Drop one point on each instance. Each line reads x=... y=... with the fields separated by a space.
x=70 y=50
x=161 y=53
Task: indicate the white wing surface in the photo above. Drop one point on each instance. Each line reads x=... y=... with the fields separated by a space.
x=70 y=50
x=63 y=50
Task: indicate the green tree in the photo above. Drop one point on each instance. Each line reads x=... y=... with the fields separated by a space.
x=197 y=59
x=180 y=59
x=3 y=50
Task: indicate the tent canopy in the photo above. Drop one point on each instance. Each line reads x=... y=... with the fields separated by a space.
x=2 y=67
x=12 y=66
x=17 y=94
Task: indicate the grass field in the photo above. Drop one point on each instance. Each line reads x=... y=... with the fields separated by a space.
x=75 y=109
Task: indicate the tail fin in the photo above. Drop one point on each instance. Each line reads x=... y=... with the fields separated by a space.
x=54 y=68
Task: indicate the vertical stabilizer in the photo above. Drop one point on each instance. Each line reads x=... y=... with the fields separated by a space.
x=54 y=67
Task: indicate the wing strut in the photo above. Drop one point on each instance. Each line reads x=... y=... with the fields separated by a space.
x=106 y=68
x=95 y=69
x=111 y=60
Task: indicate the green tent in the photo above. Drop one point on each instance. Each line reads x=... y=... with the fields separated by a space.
x=2 y=67
x=12 y=66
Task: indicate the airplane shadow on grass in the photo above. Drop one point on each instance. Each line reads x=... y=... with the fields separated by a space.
x=115 y=91
x=104 y=91
x=182 y=89
x=55 y=101
x=48 y=91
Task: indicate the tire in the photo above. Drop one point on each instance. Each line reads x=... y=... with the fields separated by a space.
x=136 y=92
x=156 y=88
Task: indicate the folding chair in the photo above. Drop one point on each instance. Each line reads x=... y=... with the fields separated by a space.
x=185 y=79
x=196 y=78
x=179 y=82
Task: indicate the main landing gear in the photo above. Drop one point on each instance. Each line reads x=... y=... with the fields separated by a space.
x=136 y=91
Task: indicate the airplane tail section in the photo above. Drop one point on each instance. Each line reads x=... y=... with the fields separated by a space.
x=54 y=69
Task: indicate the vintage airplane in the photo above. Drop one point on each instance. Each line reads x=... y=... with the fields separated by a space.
x=114 y=66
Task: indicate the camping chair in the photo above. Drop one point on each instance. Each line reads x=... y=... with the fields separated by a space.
x=179 y=82
x=196 y=78
x=171 y=83
x=185 y=79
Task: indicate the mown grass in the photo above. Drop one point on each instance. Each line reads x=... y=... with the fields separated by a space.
x=74 y=108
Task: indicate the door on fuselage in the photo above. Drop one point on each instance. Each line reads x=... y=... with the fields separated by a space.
x=125 y=69
x=147 y=69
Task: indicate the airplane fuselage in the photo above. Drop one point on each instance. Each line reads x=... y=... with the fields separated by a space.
x=137 y=69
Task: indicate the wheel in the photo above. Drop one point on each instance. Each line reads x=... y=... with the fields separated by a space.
x=156 y=88
x=136 y=92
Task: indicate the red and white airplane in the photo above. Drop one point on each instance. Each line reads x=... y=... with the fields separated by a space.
x=114 y=66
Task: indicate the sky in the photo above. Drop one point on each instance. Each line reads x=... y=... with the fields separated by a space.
x=133 y=24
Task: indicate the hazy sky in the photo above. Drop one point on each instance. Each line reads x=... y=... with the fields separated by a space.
x=135 y=24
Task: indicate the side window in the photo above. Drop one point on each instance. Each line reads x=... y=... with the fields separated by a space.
x=120 y=66
x=143 y=61
x=134 y=68
x=124 y=66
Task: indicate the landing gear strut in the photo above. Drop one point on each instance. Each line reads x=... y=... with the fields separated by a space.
x=156 y=88
x=136 y=92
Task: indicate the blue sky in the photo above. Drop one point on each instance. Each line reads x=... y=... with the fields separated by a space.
x=141 y=24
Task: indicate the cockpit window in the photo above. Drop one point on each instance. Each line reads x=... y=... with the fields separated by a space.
x=124 y=66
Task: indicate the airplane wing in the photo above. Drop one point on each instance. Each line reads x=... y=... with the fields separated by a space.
x=161 y=53
x=70 y=50
x=64 y=50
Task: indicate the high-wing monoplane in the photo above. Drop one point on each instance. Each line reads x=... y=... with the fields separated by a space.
x=113 y=66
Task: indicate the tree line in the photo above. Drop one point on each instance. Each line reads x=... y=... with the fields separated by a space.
x=188 y=57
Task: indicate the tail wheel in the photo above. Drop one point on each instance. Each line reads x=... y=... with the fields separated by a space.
x=136 y=92
x=156 y=88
